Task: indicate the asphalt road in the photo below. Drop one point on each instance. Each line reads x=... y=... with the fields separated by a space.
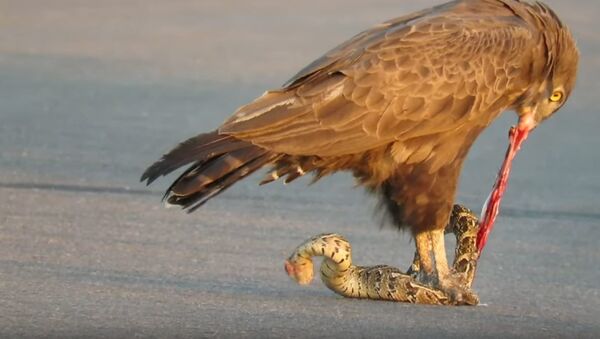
x=92 y=92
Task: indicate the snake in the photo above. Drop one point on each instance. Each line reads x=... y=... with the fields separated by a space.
x=383 y=282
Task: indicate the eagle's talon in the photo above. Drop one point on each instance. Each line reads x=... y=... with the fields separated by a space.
x=454 y=286
x=457 y=291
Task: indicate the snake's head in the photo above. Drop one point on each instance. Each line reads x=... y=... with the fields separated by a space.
x=300 y=271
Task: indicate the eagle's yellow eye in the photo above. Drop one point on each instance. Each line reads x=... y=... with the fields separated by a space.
x=556 y=96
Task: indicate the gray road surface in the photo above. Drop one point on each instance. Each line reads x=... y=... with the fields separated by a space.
x=91 y=92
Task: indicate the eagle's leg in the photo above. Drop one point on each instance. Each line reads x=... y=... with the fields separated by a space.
x=433 y=268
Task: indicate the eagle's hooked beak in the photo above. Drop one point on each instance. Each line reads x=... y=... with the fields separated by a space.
x=528 y=120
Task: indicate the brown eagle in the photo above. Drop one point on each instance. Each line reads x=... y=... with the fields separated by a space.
x=398 y=105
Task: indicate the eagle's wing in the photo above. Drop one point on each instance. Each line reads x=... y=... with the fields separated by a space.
x=415 y=76
x=352 y=49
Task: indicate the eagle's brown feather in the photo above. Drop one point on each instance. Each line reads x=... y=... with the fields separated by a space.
x=398 y=105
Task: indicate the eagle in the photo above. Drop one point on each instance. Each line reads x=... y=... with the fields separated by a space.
x=399 y=106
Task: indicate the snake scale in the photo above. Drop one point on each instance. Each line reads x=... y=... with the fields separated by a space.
x=385 y=282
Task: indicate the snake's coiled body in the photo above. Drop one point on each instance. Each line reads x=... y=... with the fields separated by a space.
x=385 y=282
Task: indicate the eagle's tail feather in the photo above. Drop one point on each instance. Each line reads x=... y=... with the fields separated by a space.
x=219 y=161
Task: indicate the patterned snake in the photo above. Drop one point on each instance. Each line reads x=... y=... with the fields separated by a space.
x=385 y=282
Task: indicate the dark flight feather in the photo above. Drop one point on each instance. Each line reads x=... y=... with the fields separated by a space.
x=196 y=149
